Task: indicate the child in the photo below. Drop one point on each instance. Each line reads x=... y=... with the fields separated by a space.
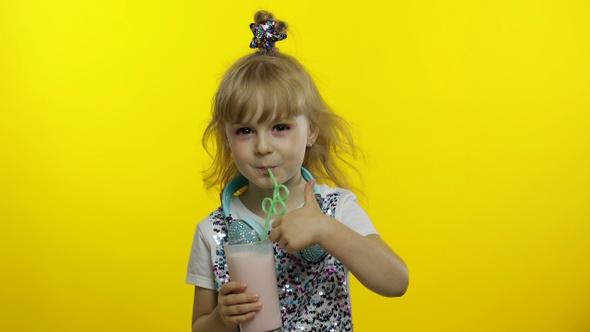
x=268 y=113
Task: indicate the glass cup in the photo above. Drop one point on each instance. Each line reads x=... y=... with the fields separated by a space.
x=254 y=265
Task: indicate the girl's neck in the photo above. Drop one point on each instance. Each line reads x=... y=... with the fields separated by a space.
x=252 y=197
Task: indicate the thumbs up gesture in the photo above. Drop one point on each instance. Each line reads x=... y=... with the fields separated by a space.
x=301 y=227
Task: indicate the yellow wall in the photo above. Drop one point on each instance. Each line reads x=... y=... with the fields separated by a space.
x=474 y=116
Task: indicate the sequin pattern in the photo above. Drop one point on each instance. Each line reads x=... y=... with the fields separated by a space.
x=220 y=237
x=314 y=296
x=266 y=34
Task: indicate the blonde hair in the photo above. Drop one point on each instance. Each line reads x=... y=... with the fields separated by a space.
x=282 y=88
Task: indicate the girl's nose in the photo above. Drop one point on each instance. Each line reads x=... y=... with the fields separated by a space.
x=263 y=144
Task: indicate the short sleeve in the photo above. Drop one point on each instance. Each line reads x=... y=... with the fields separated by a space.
x=353 y=215
x=200 y=271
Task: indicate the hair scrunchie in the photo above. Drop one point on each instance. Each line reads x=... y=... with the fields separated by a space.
x=266 y=35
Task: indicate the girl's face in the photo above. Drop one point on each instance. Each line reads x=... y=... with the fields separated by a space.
x=278 y=144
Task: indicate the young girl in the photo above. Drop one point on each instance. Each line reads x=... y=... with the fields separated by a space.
x=268 y=114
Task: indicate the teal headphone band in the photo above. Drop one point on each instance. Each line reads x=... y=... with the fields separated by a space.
x=247 y=230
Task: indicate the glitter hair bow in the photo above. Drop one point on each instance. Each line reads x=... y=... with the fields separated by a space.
x=266 y=35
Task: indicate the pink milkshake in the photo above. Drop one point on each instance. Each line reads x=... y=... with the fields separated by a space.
x=253 y=264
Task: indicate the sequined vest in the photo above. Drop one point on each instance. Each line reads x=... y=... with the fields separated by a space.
x=313 y=296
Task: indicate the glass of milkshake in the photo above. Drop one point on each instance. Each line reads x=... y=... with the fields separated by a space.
x=254 y=265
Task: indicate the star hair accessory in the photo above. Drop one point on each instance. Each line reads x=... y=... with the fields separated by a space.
x=266 y=34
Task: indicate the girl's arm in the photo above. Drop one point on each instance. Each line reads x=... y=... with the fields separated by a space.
x=223 y=311
x=369 y=258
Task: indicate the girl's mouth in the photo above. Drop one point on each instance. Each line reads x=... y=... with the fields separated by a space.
x=265 y=169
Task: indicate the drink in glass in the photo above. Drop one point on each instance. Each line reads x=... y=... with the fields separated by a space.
x=253 y=264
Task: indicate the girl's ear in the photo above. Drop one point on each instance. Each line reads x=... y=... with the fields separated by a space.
x=313 y=134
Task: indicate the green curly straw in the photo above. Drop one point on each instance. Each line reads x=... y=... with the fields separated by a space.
x=276 y=199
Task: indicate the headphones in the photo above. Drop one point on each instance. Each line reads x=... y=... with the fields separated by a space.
x=247 y=230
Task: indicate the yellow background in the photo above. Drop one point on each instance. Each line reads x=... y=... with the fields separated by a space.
x=474 y=116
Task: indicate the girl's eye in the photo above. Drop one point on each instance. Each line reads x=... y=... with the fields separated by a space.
x=243 y=131
x=281 y=127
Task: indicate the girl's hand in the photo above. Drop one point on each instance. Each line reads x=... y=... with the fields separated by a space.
x=235 y=306
x=302 y=227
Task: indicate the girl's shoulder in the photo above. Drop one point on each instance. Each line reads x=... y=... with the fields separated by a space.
x=343 y=205
x=343 y=194
x=214 y=218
